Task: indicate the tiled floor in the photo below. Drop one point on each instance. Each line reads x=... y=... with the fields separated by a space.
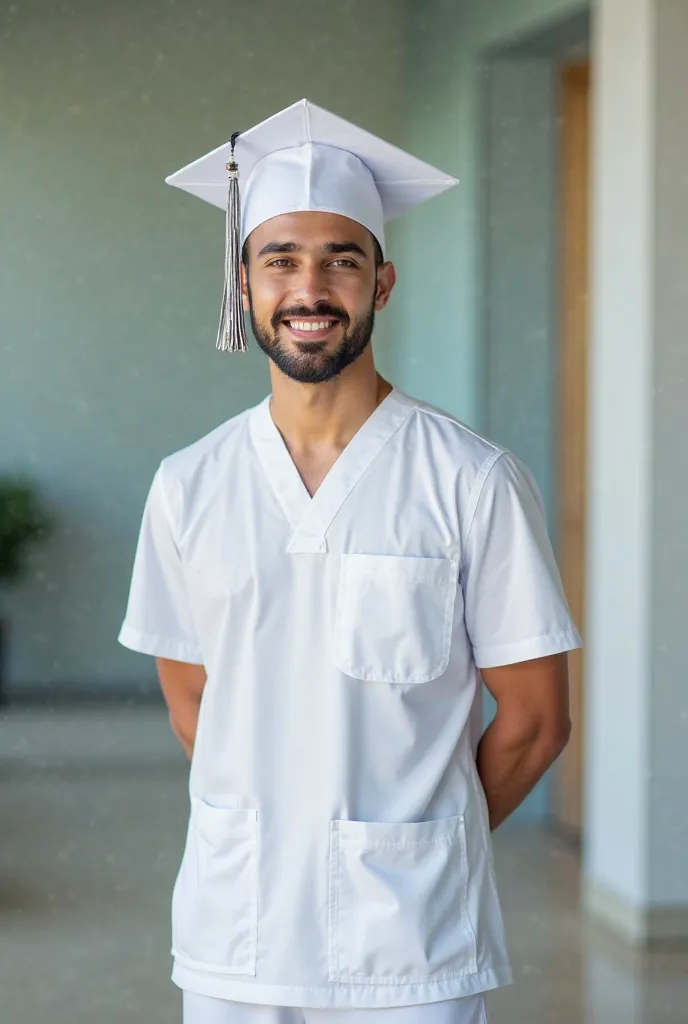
x=92 y=816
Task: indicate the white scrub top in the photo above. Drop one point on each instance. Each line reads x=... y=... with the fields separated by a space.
x=338 y=850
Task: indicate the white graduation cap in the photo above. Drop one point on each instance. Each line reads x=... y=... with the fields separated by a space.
x=303 y=158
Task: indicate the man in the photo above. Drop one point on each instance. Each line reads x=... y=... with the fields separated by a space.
x=323 y=579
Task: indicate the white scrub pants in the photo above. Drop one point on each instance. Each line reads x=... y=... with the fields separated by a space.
x=205 y=1010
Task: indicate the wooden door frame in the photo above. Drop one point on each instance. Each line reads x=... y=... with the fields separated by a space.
x=574 y=205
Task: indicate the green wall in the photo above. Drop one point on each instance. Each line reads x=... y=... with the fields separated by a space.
x=437 y=326
x=110 y=280
x=492 y=366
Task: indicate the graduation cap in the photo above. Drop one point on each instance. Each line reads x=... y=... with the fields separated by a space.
x=303 y=158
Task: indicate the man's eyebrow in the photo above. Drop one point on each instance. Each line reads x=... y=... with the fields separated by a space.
x=335 y=248
x=273 y=247
x=331 y=248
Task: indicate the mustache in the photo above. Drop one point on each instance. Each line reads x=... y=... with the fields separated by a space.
x=323 y=310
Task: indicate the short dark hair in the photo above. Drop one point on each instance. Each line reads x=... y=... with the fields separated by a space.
x=377 y=252
x=379 y=258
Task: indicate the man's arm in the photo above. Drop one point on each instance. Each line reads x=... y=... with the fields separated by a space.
x=182 y=686
x=529 y=732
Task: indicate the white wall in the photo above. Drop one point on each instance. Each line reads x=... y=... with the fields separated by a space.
x=619 y=570
x=637 y=713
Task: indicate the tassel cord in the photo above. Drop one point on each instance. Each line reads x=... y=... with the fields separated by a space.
x=231 y=336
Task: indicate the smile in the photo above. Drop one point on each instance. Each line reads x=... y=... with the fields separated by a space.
x=311 y=330
x=310 y=325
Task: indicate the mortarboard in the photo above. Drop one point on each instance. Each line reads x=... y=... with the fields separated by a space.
x=303 y=158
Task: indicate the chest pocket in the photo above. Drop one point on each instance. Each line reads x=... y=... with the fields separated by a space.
x=394 y=617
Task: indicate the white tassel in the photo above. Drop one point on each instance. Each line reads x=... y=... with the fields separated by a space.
x=231 y=336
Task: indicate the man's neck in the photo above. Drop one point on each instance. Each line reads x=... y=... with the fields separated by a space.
x=313 y=417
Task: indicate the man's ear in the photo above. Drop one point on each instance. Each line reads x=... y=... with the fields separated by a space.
x=386 y=279
x=244 y=286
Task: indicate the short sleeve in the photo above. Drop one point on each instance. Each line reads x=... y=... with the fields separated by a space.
x=515 y=607
x=158 y=619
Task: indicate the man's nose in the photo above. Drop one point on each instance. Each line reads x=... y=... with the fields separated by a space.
x=310 y=287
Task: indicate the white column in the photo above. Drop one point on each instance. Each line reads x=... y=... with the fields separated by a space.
x=636 y=856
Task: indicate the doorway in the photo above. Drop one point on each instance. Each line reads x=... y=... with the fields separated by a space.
x=534 y=313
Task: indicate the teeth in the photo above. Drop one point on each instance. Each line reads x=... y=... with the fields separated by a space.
x=306 y=325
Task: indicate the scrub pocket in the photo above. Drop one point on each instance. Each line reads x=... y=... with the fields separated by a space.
x=394 y=617
x=215 y=899
x=398 y=902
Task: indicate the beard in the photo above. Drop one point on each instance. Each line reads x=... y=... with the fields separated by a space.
x=310 y=362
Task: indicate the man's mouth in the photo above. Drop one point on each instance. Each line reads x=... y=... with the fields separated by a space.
x=311 y=330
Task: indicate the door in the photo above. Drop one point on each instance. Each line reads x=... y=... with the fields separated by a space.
x=574 y=218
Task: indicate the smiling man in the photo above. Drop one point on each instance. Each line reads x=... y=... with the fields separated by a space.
x=312 y=282
x=323 y=580
x=332 y=337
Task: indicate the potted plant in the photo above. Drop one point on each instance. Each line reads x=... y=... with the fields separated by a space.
x=22 y=521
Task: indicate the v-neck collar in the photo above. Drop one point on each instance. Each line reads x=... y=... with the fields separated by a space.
x=310 y=517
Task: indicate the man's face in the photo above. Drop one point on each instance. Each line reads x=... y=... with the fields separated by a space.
x=312 y=288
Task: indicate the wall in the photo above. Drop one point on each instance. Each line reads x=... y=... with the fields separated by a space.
x=473 y=330
x=636 y=874
x=437 y=326
x=520 y=273
x=668 y=880
x=110 y=282
x=519 y=335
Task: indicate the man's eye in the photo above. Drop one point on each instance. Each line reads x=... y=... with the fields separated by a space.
x=343 y=263
x=279 y=263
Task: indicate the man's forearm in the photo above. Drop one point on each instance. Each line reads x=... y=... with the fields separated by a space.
x=511 y=763
x=182 y=686
x=184 y=728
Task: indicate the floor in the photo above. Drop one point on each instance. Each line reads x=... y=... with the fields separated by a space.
x=93 y=809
